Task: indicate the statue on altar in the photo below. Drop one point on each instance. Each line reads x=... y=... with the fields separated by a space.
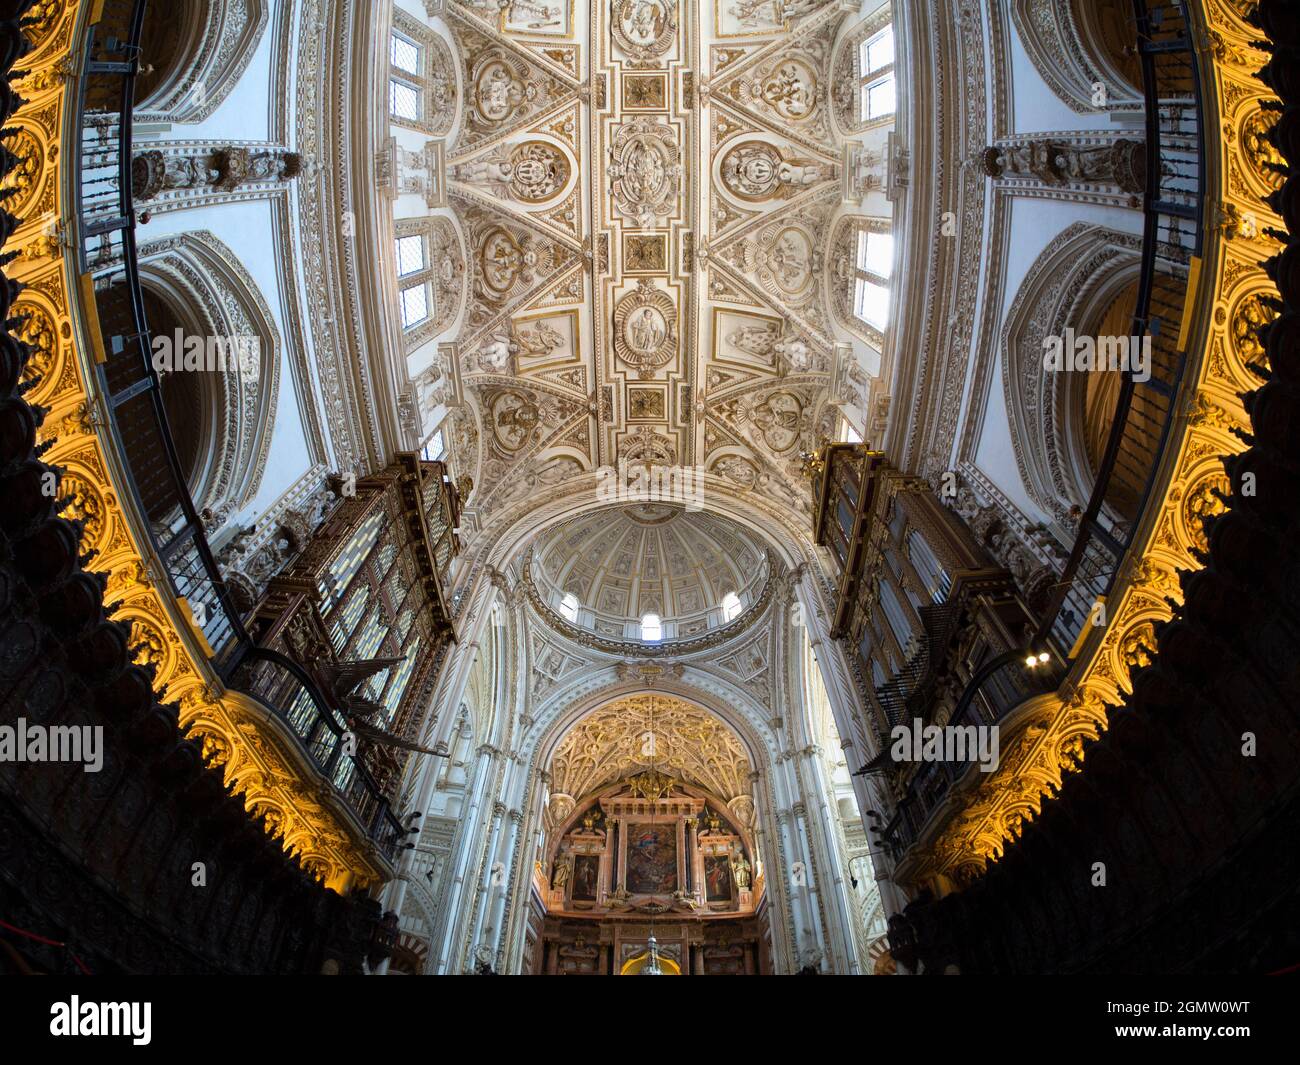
x=740 y=869
x=563 y=870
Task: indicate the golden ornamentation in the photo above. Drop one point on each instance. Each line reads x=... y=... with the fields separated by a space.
x=994 y=810
x=234 y=732
x=1258 y=150
x=1137 y=646
x=652 y=785
x=648 y=736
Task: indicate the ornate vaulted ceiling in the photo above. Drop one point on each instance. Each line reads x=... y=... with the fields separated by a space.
x=647 y=192
x=649 y=558
x=615 y=742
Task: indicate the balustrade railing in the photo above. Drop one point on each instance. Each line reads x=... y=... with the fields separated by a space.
x=131 y=386
x=1145 y=412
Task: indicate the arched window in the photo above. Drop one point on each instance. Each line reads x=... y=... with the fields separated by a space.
x=876 y=82
x=730 y=606
x=569 y=607
x=421 y=79
x=430 y=270
x=652 y=630
x=875 y=264
x=862 y=262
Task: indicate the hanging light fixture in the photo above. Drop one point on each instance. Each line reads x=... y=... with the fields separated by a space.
x=652 y=966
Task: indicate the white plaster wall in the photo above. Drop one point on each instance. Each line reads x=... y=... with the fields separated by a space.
x=1033 y=224
x=247 y=228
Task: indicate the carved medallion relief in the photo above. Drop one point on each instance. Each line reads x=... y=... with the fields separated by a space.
x=532 y=172
x=644 y=30
x=756 y=171
x=645 y=329
x=645 y=171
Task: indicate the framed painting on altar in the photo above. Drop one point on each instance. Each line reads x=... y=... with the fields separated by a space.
x=652 y=859
x=717 y=877
x=586 y=872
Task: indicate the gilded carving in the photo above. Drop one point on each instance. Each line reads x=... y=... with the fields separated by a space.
x=645 y=328
x=229 y=726
x=1263 y=159
x=645 y=170
x=644 y=29
x=612 y=743
x=756 y=171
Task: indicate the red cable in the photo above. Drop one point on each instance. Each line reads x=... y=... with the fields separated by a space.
x=32 y=935
x=48 y=942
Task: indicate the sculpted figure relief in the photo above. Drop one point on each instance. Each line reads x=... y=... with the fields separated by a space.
x=645 y=328
x=502 y=261
x=487 y=171
x=790 y=90
x=500 y=91
x=644 y=29
x=757 y=340
x=779 y=419
x=563 y=870
x=1121 y=163
x=645 y=170
x=155 y=172
x=538 y=341
x=533 y=172
x=756 y=171
x=514 y=419
x=494 y=355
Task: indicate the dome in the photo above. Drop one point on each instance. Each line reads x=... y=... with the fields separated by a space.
x=606 y=572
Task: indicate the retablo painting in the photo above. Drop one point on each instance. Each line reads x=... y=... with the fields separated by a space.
x=586 y=868
x=652 y=859
x=717 y=877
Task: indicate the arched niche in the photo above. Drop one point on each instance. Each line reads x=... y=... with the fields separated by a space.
x=221 y=413
x=194 y=53
x=1080 y=49
x=687 y=833
x=1076 y=284
x=1091 y=409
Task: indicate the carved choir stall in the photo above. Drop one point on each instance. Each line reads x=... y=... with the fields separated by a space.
x=652 y=877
